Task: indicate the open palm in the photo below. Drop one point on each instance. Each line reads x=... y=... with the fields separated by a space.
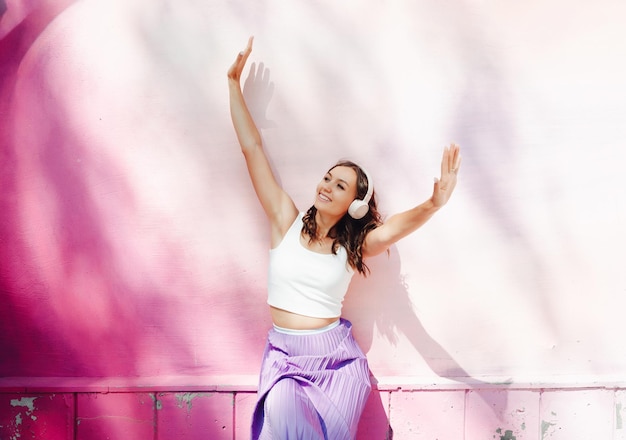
x=444 y=186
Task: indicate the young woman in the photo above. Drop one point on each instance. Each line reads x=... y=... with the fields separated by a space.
x=314 y=379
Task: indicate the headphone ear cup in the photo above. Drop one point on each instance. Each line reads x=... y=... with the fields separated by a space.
x=358 y=209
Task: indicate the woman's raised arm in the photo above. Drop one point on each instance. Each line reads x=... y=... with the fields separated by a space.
x=400 y=225
x=278 y=206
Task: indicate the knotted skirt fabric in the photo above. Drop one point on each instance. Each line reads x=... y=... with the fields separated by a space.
x=311 y=386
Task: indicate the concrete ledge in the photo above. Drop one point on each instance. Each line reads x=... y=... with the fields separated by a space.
x=248 y=383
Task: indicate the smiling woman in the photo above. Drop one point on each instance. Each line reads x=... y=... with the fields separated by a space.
x=337 y=189
x=314 y=380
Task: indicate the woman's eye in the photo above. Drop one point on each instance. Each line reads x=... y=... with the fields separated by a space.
x=341 y=187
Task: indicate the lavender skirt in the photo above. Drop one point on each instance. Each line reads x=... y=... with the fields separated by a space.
x=311 y=386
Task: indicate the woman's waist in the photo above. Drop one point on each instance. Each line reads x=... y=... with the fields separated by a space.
x=287 y=320
x=334 y=341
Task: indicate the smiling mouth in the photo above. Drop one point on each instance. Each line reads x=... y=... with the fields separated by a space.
x=323 y=198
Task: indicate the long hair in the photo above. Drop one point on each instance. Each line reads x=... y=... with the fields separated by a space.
x=349 y=232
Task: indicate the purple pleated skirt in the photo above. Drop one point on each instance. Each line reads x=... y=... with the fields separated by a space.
x=311 y=386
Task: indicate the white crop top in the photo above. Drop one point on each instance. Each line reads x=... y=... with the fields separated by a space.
x=305 y=282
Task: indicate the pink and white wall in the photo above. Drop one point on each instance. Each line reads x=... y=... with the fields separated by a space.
x=133 y=251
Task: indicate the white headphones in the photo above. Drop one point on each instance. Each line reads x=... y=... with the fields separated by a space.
x=359 y=207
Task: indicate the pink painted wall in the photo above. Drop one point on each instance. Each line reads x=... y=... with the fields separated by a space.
x=133 y=245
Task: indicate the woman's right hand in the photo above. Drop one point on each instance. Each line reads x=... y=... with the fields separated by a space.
x=234 y=73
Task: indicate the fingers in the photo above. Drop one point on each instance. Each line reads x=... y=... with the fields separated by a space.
x=243 y=56
x=249 y=46
x=453 y=158
x=444 y=186
x=445 y=162
x=450 y=163
x=237 y=67
x=456 y=158
x=457 y=163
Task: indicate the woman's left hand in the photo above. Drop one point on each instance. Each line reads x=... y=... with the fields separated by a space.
x=234 y=73
x=444 y=186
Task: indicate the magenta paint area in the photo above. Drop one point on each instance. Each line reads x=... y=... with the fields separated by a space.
x=195 y=415
x=37 y=416
x=115 y=415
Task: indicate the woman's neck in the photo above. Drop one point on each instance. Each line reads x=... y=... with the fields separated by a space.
x=324 y=225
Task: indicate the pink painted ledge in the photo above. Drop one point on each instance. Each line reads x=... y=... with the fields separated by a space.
x=235 y=383
x=248 y=383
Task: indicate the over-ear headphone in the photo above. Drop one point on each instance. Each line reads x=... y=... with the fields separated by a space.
x=359 y=207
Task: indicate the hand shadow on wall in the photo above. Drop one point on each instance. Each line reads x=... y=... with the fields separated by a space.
x=258 y=91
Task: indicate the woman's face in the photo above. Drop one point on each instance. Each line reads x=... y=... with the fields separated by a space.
x=336 y=191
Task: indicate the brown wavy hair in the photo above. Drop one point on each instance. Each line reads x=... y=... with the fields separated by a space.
x=348 y=232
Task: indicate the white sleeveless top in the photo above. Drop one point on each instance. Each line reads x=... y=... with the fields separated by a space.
x=305 y=282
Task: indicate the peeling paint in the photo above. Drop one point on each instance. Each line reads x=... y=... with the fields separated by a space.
x=618 y=416
x=186 y=398
x=28 y=402
x=545 y=426
x=508 y=435
x=157 y=403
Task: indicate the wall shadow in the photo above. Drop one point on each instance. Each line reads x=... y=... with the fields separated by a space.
x=17 y=273
x=381 y=303
x=42 y=329
x=40 y=337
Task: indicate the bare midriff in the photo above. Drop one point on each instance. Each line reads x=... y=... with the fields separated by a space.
x=294 y=321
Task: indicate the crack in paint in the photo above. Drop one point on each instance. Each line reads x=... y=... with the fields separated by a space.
x=127 y=418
